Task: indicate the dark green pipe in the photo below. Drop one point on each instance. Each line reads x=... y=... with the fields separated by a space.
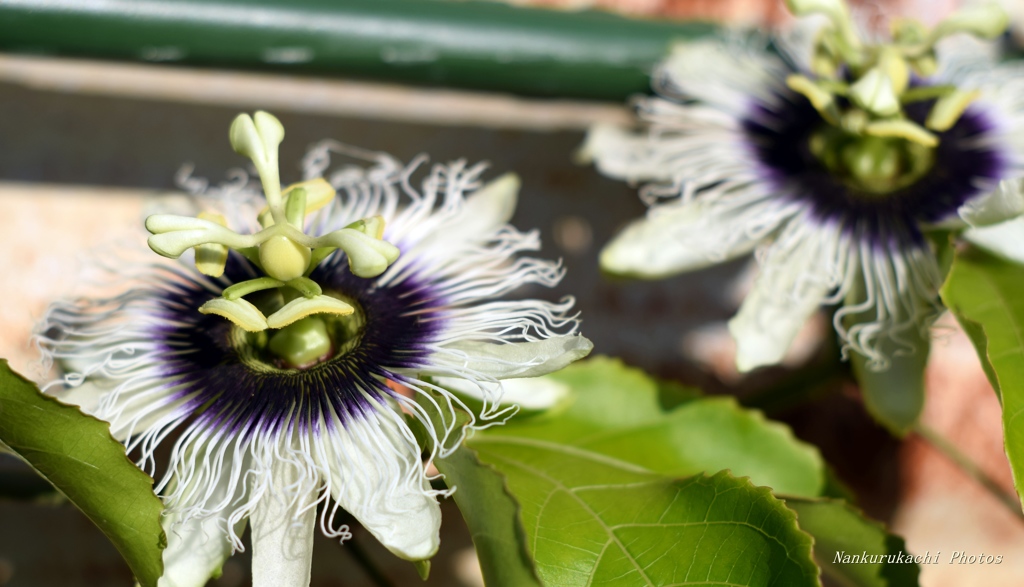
x=476 y=45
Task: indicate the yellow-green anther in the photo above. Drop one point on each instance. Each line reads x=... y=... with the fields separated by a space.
x=847 y=44
x=986 y=21
x=372 y=226
x=302 y=343
x=907 y=31
x=367 y=256
x=295 y=207
x=925 y=65
x=874 y=92
x=250 y=286
x=284 y=259
x=305 y=286
x=948 y=109
x=823 y=101
x=211 y=258
x=299 y=308
x=834 y=9
x=895 y=67
x=825 y=61
x=243 y=314
x=319 y=193
x=904 y=129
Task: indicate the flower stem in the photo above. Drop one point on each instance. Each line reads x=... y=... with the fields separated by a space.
x=944 y=446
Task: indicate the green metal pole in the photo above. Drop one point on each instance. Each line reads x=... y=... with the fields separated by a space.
x=476 y=45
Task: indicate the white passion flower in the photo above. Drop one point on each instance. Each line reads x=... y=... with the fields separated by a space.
x=270 y=424
x=832 y=163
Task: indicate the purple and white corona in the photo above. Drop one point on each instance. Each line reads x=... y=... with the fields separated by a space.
x=270 y=364
x=832 y=159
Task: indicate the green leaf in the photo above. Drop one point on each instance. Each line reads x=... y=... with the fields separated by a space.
x=842 y=536
x=616 y=412
x=493 y=519
x=594 y=520
x=602 y=502
x=77 y=455
x=984 y=293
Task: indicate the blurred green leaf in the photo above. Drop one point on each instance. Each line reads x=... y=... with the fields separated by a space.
x=984 y=293
x=77 y=455
x=842 y=533
x=616 y=412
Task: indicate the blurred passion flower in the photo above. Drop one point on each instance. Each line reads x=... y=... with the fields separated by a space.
x=838 y=159
x=276 y=364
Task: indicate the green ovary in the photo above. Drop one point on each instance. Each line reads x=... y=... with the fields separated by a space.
x=283 y=258
x=302 y=343
x=874 y=166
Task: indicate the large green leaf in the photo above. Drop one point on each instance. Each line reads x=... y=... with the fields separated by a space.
x=842 y=538
x=984 y=293
x=594 y=520
x=493 y=519
x=77 y=455
x=602 y=499
x=616 y=412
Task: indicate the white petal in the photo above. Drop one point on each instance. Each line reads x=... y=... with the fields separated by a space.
x=517 y=359
x=133 y=413
x=86 y=396
x=197 y=547
x=531 y=393
x=1005 y=239
x=1002 y=204
x=490 y=207
x=282 y=537
x=793 y=282
x=683 y=237
x=377 y=476
x=195 y=551
x=619 y=153
x=478 y=217
x=726 y=75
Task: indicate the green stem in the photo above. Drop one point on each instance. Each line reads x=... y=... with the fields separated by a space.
x=475 y=45
x=939 y=443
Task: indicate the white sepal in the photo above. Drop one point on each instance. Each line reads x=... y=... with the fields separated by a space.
x=794 y=281
x=283 y=523
x=682 y=237
x=529 y=393
x=378 y=477
x=1004 y=203
x=1005 y=239
x=619 y=153
x=518 y=359
x=195 y=551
